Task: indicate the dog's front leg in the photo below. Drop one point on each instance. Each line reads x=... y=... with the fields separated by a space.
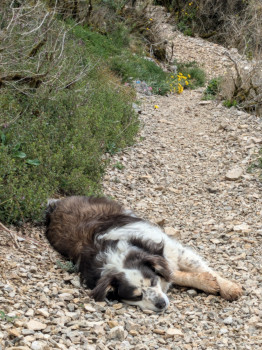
x=210 y=282
x=201 y=280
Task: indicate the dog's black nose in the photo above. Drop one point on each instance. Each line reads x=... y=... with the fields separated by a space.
x=160 y=304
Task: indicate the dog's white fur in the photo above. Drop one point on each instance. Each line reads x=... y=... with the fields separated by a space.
x=178 y=257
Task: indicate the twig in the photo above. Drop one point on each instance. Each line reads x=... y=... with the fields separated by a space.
x=35 y=29
x=9 y=123
x=15 y=237
x=236 y=66
x=12 y=234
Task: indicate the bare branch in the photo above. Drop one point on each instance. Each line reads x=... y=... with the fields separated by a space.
x=11 y=234
x=35 y=29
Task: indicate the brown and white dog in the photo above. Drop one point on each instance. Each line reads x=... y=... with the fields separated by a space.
x=124 y=257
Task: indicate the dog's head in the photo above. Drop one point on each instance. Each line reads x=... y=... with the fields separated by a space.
x=143 y=280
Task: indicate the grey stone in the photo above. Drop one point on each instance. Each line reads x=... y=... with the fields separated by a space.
x=228 y=320
x=117 y=332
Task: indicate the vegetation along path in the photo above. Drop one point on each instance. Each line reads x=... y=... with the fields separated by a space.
x=189 y=173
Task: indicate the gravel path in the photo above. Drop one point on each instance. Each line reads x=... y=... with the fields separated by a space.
x=188 y=173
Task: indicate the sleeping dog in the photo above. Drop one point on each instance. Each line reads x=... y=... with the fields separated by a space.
x=124 y=257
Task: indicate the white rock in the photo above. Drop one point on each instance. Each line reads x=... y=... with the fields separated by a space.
x=234 y=174
x=223 y=330
x=171 y=332
x=192 y=292
x=89 y=308
x=37 y=345
x=75 y=282
x=35 y=325
x=241 y=228
x=43 y=312
x=171 y=231
x=66 y=296
x=228 y=320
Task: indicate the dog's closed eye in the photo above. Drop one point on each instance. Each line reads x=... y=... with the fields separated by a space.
x=136 y=297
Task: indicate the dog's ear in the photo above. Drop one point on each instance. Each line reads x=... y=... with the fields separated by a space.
x=159 y=265
x=106 y=283
x=103 y=286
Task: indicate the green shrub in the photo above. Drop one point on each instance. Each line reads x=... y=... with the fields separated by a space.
x=53 y=137
x=230 y=103
x=212 y=89
x=67 y=266
x=64 y=139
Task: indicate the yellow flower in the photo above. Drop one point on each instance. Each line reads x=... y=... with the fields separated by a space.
x=172 y=76
x=150 y=19
x=180 y=88
x=189 y=76
x=156 y=106
x=186 y=82
x=147 y=28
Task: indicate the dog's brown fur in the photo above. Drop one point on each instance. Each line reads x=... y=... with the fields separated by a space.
x=73 y=223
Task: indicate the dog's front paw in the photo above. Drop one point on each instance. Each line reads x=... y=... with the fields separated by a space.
x=230 y=290
x=208 y=283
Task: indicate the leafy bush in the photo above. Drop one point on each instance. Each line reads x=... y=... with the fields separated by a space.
x=212 y=89
x=53 y=133
x=66 y=141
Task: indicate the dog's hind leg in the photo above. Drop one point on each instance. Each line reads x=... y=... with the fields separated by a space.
x=201 y=276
